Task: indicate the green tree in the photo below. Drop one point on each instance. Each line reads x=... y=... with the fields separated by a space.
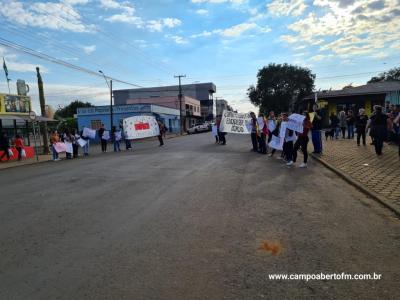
x=279 y=86
x=391 y=75
x=70 y=110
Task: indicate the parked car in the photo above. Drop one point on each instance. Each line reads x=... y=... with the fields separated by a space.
x=198 y=128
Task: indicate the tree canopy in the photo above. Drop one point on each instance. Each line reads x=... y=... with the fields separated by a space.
x=71 y=109
x=391 y=75
x=278 y=85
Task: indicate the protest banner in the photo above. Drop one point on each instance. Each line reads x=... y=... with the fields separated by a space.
x=60 y=147
x=295 y=122
x=89 y=133
x=214 y=130
x=276 y=143
x=232 y=122
x=81 y=142
x=139 y=127
x=106 y=135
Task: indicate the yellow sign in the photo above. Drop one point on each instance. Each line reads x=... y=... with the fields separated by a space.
x=14 y=104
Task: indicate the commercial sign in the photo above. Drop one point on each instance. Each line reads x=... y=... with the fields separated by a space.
x=14 y=104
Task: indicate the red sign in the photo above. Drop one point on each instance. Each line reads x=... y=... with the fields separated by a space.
x=142 y=126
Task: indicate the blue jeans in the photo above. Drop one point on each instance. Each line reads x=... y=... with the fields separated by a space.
x=86 y=148
x=55 y=154
x=316 y=140
x=350 y=131
x=337 y=132
x=116 y=146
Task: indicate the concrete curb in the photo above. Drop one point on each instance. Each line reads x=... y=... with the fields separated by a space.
x=382 y=200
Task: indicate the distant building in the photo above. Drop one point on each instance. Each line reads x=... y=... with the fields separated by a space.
x=93 y=117
x=200 y=91
x=191 y=110
x=353 y=98
x=222 y=105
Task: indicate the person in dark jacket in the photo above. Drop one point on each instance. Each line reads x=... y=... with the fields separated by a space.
x=103 y=141
x=335 y=124
x=378 y=125
x=316 y=131
x=5 y=145
x=350 y=124
x=254 y=131
x=361 y=125
x=162 y=128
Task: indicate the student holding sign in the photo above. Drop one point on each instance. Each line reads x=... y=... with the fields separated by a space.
x=262 y=137
x=302 y=141
x=254 y=131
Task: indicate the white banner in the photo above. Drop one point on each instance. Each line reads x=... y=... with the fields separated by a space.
x=81 y=142
x=89 y=133
x=118 y=135
x=106 y=135
x=282 y=132
x=295 y=122
x=214 y=130
x=271 y=125
x=139 y=127
x=235 y=122
x=276 y=143
x=260 y=121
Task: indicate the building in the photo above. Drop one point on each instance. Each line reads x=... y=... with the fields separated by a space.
x=353 y=98
x=222 y=105
x=191 y=109
x=93 y=117
x=200 y=91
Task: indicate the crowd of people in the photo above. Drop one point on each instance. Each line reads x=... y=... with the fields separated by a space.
x=73 y=140
x=382 y=126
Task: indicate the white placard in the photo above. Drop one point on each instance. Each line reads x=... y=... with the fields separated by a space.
x=282 y=131
x=271 y=125
x=106 y=135
x=295 y=122
x=89 y=133
x=139 y=127
x=235 y=123
x=81 y=142
x=68 y=147
x=261 y=124
x=276 y=143
x=118 y=135
x=214 y=130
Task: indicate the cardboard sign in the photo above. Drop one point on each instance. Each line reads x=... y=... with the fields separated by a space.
x=89 y=133
x=106 y=135
x=295 y=122
x=60 y=147
x=81 y=142
x=139 y=127
x=276 y=143
x=214 y=130
x=235 y=122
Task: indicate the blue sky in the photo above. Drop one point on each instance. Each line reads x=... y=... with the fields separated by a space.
x=147 y=42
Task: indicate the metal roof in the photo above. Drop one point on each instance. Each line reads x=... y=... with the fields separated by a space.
x=370 y=88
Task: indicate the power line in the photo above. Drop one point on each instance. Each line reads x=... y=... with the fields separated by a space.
x=49 y=58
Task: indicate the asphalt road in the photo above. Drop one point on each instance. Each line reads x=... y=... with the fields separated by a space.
x=186 y=221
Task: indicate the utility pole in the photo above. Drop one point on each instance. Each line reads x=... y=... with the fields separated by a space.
x=180 y=100
x=111 y=98
x=43 y=112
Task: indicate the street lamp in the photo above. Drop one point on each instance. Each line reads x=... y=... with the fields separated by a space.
x=111 y=97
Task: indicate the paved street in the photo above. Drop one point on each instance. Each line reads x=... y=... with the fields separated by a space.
x=186 y=221
x=380 y=174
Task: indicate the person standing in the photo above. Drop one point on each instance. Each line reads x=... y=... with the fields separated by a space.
x=116 y=138
x=161 y=127
x=290 y=138
x=342 y=123
x=263 y=131
x=396 y=121
x=335 y=124
x=19 y=145
x=350 y=124
x=54 y=139
x=361 y=125
x=316 y=131
x=103 y=140
x=271 y=124
x=302 y=141
x=214 y=131
x=75 y=146
x=68 y=140
x=5 y=145
x=86 y=147
x=221 y=135
x=378 y=125
x=254 y=131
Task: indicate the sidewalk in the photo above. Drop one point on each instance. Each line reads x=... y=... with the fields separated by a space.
x=379 y=176
x=94 y=150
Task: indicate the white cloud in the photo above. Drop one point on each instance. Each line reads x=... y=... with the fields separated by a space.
x=237 y=30
x=219 y=1
x=15 y=65
x=349 y=28
x=177 y=39
x=51 y=15
x=202 y=12
x=159 y=25
x=287 y=7
x=89 y=49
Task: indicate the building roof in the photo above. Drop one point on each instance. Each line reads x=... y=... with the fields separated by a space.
x=368 y=89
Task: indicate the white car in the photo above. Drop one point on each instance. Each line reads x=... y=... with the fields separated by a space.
x=198 y=128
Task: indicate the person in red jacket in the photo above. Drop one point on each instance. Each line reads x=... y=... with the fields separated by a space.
x=19 y=145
